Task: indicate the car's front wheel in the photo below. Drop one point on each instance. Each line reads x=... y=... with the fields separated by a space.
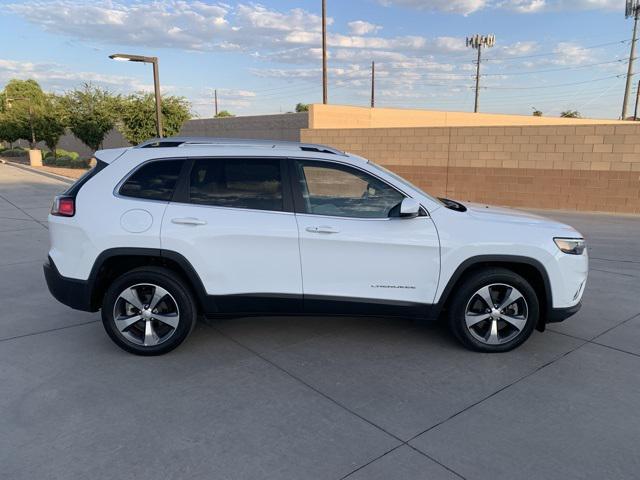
x=494 y=310
x=147 y=312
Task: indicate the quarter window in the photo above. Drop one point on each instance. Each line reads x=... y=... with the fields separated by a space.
x=340 y=191
x=154 y=181
x=253 y=183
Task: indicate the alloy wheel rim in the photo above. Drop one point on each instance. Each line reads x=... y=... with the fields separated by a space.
x=496 y=314
x=146 y=315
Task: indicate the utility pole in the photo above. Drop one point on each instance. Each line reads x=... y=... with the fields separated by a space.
x=215 y=99
x=373 y=84
x=635 y=113
x=477 y=42
x=632 y=10
x=324 y=52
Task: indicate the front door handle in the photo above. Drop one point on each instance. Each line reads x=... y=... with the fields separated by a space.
x=322 y=229
x=188 y=221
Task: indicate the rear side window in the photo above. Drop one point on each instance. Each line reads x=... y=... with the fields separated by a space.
x=253 y=183
x=154 y=181
x=73 y=190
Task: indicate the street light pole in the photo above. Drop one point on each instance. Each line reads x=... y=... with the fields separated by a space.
x=156 y=88
x=156 y=81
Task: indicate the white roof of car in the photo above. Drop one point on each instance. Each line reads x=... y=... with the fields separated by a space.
x=210 y=146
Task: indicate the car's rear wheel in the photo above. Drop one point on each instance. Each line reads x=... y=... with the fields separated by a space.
x=494 y=311
x=147 y=312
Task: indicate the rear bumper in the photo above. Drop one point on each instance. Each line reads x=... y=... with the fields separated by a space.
x=73 y=293
x=560 y=314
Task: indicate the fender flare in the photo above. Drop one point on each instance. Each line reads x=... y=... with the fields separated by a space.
x=186 y=267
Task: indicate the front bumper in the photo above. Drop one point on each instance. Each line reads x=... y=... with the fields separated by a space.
x=72 y=292
x=556 y=315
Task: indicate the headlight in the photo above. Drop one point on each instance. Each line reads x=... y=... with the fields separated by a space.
x=572 y=246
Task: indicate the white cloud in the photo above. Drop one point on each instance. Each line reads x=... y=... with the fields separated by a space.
x=524 y=6
x=56 y=77
x=170 y=23
x=259 y=17
x=536 y=6
x=464 y=7
x=568 y=53
x=204 y=27
x=360 y=27
x=519 y=48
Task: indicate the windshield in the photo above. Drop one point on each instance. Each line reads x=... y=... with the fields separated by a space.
x=405 y=182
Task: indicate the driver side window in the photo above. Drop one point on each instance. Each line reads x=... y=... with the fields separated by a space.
x=341 y=191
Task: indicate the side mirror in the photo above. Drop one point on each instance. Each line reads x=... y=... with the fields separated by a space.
x=409 y=208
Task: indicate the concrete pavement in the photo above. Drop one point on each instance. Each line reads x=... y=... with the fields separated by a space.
x=314 y=398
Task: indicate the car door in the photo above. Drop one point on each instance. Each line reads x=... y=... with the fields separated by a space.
x=233 y=220
x=357 y=257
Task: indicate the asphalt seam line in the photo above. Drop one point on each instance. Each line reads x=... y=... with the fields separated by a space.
x=28 y=168
x=337 y=403
x=33 y=334
x=27 y=214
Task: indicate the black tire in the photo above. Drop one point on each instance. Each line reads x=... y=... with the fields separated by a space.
x=466 y=291
x=181 y=296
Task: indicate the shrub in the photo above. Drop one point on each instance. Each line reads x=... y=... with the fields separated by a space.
x=63 y=153
x=15 y=152
x=64 y=161
x=78 y=163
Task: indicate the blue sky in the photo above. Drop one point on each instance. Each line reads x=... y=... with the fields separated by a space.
x=265 y=57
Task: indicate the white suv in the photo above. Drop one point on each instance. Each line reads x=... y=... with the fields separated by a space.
x=158 y=234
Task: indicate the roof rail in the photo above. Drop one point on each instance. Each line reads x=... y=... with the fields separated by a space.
x=213 y=141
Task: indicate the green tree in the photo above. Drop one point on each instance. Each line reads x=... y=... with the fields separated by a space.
x=8 y=131
x=302 y=107
x=571 y=114
x=536 y=112
x=92 y=113
x=224 y=114
x=138 y=116
x=22 y=103
x=52 y=123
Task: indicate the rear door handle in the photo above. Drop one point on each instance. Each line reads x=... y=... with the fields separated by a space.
x=322 y=229
x=188 y=221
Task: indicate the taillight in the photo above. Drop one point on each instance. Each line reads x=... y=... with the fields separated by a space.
x=63 y=206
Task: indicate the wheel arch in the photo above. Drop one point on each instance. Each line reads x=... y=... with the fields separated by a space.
x=114 y=262
x=529 y=268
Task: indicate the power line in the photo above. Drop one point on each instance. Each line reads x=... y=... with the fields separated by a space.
x=558 y=84
x=519 y=57
x=437 y=75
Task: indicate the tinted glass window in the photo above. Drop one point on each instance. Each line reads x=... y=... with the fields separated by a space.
x=154 y=181
x=339 y=191
x=239 y=183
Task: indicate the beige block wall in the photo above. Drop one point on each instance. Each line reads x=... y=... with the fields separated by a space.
x=575 y=167
x=341 y=116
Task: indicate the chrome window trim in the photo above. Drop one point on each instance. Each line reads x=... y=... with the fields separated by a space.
x=241 y=209
x=116 y=190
